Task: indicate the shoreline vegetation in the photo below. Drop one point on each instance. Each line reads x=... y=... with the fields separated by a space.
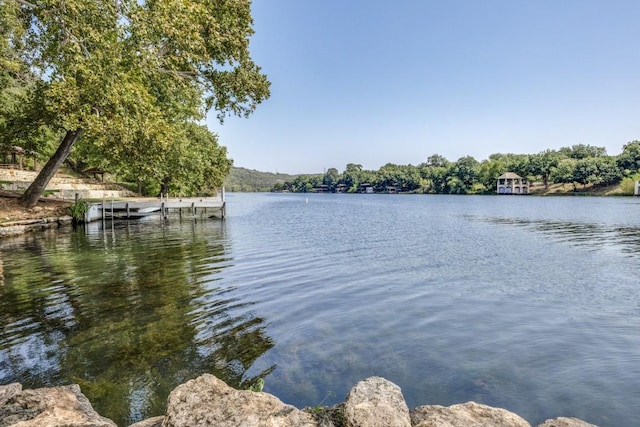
x=50 y=212
x=569 y=170
x=580 y=170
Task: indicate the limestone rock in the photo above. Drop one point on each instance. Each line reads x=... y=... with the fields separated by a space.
x=150 y=422
x=464 y=415
x=376 y=402
x=565 y=422
x=9 y=390
x=208 y=401
x=51 y=407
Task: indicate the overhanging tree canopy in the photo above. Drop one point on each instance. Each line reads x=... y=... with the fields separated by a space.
x=122 y=71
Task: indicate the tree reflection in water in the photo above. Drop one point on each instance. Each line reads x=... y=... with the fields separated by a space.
x=128 y=313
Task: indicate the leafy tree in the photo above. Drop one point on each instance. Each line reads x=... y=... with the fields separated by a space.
x=437 y=160
x=542 y=164
x=629 y=159
x=521 y=165
x=456 y=186
x=608 y=171
x=242 y=179
x=465 y=170
x=582 y=151
x=124 y=72
x=196 y=164
x=12 y=27
x=331 y=178
x=586 y=171
x=351 y=176
x=434 y=178
x=565 y=171
x=516 y=163
x=489 y=171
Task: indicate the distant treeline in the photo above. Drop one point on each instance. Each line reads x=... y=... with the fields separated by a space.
x=249 y=180
x=579 y=166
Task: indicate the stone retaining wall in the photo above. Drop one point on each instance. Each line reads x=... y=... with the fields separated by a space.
x=208 y=401
x=62 y=187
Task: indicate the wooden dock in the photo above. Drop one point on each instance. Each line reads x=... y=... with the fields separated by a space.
x=136 y=208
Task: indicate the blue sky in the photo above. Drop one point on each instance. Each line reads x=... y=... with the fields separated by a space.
x=373 y=82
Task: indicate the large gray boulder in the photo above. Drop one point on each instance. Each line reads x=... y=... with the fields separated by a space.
x=565 y=422
x=376 y=402
x=464 y=415
x=208 y=401
x=50 y=407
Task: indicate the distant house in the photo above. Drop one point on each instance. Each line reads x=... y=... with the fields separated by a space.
x=13 y=157
x=366 y=188
x=321 y=189
x=511 y=183
x=341 y=188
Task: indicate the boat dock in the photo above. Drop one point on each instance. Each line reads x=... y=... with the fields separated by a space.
x=136 y=208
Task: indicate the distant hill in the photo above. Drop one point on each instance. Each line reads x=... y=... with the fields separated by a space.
x=250 y=180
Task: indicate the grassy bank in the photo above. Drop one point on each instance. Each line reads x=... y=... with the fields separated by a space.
x=625 y=188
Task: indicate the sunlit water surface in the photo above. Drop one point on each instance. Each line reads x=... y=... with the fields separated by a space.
x=526 y=303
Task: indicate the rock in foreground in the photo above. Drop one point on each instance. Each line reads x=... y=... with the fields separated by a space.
x=207 y=401
x=465 y=414
x=376 y=402
x=48 y=407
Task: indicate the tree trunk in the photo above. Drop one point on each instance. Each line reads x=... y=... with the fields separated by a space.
x=30 y=197
x=164 y=187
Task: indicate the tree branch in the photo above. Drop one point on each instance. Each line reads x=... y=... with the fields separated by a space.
x=26 y=3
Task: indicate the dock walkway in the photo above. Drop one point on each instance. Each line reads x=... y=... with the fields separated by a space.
x=134 y=208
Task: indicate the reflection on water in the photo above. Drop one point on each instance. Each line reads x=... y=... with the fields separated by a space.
x=591 y=236
x=125 y=319
x=531 y=304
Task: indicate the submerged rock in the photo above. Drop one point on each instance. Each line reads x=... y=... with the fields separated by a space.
x=565 y=422
x=151 y=422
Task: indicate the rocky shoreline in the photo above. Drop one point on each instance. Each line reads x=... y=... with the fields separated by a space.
x=208 y=401
x=16 y=228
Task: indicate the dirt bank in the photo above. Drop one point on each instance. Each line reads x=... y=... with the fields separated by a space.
x=11 y=212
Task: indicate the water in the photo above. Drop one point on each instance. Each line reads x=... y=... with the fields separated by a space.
x=526 y=303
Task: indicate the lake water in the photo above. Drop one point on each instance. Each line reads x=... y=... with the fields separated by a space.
x=526 y=303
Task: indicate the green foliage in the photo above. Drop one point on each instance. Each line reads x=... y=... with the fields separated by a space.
x=248 y=180
x=131 y=77
x=192 y=164
x=327 y=415
x=564 y=172
x=257 y=386
x=583 y=164
x=78 y=211
x=582 y=151
x=629 y=159
x=627 y=186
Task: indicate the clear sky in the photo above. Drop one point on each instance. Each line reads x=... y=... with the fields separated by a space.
x=379 y=81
